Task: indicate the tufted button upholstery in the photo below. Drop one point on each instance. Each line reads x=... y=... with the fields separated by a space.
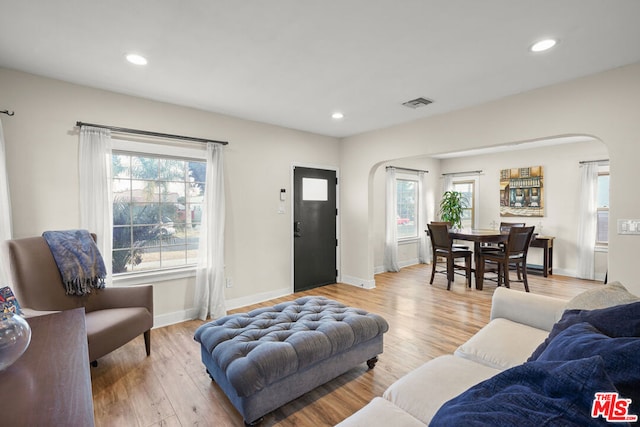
x=262 y=346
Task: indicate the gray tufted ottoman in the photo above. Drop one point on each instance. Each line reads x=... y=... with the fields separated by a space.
x=270 y=356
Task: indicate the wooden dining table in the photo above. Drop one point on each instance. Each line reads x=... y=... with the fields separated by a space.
x=478 y=236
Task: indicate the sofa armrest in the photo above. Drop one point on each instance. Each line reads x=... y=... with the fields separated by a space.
x=122 y=296
x=538 y=311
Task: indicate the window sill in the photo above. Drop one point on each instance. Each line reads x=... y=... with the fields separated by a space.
x=408 y=240
x=604 y=249
x=141 y=278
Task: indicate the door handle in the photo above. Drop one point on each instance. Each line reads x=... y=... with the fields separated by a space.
x=297 y=229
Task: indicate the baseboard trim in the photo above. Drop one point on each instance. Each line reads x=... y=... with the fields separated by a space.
x=167 y=319
x=358 y=282
x=254 y=299
x=401 y=264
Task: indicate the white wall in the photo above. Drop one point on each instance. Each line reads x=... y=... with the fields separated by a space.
x=42 y=157
x=603 y=106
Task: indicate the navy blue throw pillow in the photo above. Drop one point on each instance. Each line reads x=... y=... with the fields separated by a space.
x=620 y=356
x=617 y=321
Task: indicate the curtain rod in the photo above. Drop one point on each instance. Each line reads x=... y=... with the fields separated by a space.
x=584 y=162
x=407 y=169
x=149 y=133
x=463 y=173
x=7 y=112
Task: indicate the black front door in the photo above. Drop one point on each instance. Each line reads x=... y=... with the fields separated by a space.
x=314 y=228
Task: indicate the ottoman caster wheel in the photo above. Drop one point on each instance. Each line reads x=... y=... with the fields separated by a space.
x=371 y=363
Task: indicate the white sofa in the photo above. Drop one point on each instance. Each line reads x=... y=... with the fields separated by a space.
x=519 y=323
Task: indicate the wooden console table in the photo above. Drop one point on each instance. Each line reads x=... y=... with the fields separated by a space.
x=50 y=384
x=546 y=243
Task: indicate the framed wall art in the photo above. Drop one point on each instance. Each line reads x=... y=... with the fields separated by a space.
x=522 y=192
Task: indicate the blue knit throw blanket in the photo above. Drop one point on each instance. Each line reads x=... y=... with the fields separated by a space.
x=79 y=261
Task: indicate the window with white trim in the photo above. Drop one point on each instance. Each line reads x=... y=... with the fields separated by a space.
x=157 y=208
x=407 y=206
x=468 y=189
x=602 y=233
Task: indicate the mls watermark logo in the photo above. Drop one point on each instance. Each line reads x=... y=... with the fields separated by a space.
x=612 y=408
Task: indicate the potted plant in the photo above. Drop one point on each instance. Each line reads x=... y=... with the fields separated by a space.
x=451 y=208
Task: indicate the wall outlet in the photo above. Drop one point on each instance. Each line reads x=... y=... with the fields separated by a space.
x=229 y=282
x=629 y=226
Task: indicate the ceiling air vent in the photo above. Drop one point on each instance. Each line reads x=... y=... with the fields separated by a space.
x=418 y=102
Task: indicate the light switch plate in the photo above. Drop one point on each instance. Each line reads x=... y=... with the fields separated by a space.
x=629 y=226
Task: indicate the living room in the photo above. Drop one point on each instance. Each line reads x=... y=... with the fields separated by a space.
x=42 y=158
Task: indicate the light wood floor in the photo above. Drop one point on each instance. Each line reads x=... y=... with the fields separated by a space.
x=171 y=387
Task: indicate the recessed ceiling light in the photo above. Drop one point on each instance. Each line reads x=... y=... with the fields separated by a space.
x=136 y=59
x=543 y=45
x=337 y=115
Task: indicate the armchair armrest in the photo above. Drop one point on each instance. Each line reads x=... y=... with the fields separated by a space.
x=538 y=311
x=122 y=296
x=28 y=313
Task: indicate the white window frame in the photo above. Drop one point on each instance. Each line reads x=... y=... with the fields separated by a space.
x=183 y=151
x=603 y=170
x=416 y=179
x=475 y=180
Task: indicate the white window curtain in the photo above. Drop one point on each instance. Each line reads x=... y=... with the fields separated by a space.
x=424 y=245
x=391 y=223
x=447 y=183
x=5 y=214
x=210 y=272
x=96 y=212
x=587 y=220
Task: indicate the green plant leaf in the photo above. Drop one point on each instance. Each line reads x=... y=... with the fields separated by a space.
x=452 y=207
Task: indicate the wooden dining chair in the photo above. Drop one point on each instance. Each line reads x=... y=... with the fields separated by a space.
x=448 y=224
x=488 y=247
x=504 y=228
x=442 y=245
x=514 y=253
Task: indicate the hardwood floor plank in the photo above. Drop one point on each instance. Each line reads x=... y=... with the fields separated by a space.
x=168 y=422
x=171 y=388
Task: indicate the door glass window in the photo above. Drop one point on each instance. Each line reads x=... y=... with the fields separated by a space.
x=315 y=189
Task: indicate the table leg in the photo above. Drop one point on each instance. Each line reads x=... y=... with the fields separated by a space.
x=545 y=259
x=476 y=261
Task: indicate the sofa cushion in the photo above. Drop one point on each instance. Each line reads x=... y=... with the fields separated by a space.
x=502 y=344
x=535 y=393
x=602 y=297
x=426 y=388
x=380 y=413
x=618 y=321
x=620 y=356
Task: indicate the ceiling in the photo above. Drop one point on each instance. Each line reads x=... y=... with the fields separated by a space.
x=293 y=63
